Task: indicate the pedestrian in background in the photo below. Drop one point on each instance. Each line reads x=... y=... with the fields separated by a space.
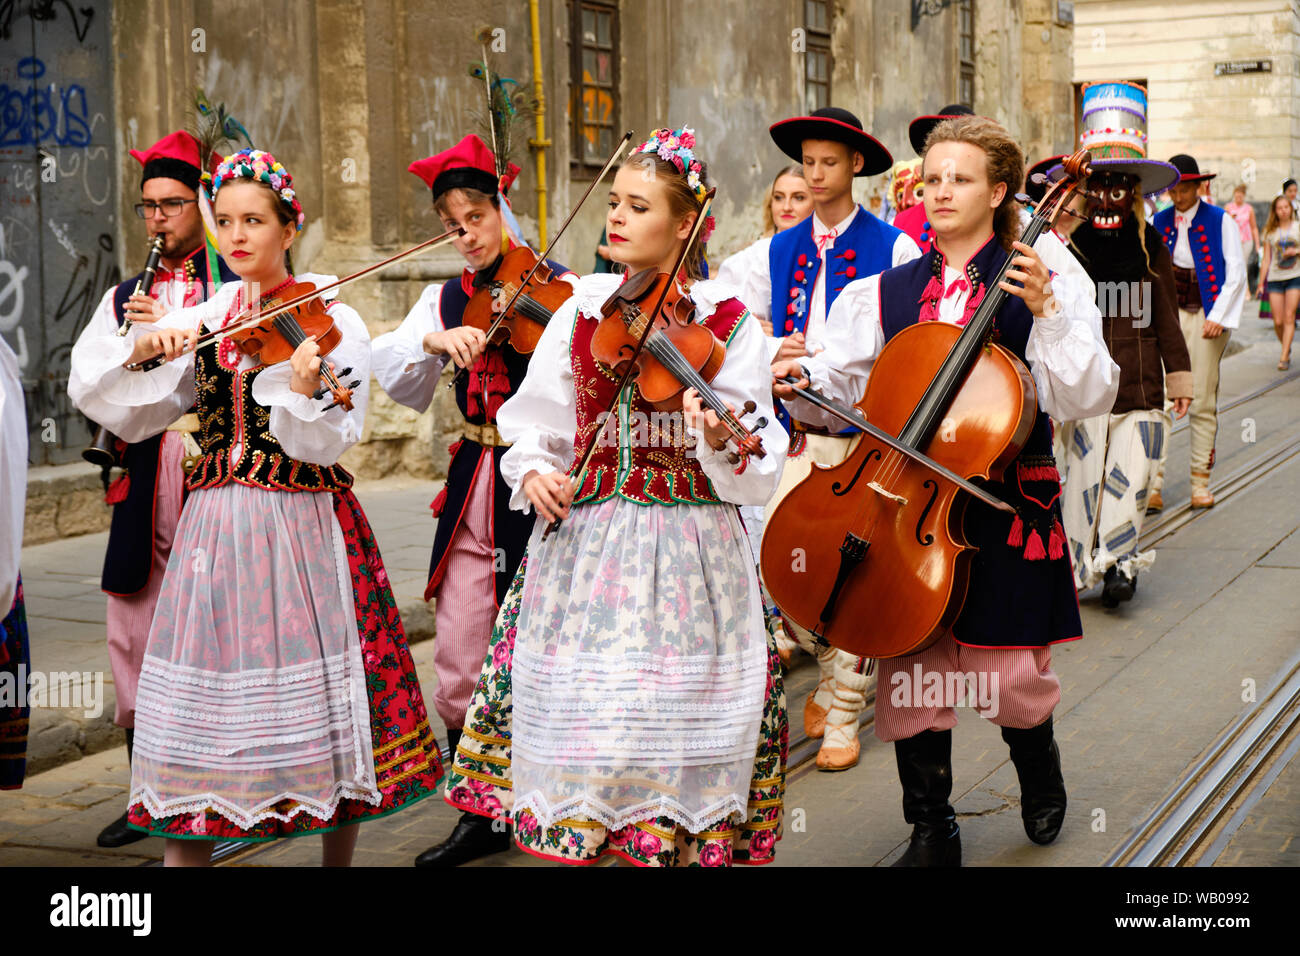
x=1279 y=272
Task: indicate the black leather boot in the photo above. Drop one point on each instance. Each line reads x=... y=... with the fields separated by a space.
x=117 y=833
x=453 y=741
x=1117 y=587
x=925 y=771
x=1042 y=788
x=473 y=837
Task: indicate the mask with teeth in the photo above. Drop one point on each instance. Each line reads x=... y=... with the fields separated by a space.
x=1112 y=196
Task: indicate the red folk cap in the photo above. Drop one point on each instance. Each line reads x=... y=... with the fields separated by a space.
x=467 y=164
x=175 y=156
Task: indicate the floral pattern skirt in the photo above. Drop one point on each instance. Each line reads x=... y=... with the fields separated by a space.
x=480 y=782
x=406 y=759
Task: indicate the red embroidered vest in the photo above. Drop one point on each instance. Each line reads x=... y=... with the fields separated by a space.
x=229 y=418
x=650 y=458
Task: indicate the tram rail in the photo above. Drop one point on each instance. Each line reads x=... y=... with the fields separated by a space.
x=1194 y=823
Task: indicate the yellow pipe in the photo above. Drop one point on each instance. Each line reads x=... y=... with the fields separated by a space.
x=539 y=142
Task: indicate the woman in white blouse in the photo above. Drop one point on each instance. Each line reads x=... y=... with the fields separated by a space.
x=277 y=696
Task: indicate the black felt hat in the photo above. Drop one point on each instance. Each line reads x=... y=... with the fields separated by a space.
x=837 y=125
x=920 y=127
x=1188 y=170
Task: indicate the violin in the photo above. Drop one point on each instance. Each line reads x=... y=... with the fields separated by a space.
x=679 y=353
x=275 y=339
x=665 y=351
x=516 y=302
x=274 y=328
x=885 y=526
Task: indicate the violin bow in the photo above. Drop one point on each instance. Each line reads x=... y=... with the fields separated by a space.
x=630 y=370
x=855 y=418
x=496 y=323
x=218 y=335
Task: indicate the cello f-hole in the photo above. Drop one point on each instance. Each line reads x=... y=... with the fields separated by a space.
x=934 y=493
x=840 y=491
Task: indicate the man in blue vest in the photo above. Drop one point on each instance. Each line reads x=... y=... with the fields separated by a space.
x=807 y=267
x=1210 y=281
x=479 y=541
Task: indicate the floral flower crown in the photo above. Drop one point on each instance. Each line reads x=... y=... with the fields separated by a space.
x=259 y=165
x=677 y=146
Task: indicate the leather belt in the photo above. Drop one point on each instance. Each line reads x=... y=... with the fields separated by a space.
x=486 y=435
x=188 y=422
x=187 y=425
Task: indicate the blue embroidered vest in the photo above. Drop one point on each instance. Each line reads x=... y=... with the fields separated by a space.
x=1205 y=239
x=1017 y=596
x=865 y=249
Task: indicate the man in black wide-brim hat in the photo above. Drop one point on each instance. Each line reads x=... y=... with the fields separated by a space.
x=1210 y=280
x=806 y=268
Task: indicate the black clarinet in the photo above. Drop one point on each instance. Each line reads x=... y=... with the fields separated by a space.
x=103 y=447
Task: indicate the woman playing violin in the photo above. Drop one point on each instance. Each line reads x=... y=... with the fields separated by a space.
x=277 y=695
x=1020 y=598
x=630 y=667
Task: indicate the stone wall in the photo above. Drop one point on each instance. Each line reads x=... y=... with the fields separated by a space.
x=1244 y=127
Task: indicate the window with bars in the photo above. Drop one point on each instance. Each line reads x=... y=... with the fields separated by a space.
x=966 y=53
x=594 y=81
x=817 y=54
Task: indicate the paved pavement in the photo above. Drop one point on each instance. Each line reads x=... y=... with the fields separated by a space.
x=1144 y=693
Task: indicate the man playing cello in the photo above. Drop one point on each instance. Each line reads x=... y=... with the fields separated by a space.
x=1020 y=598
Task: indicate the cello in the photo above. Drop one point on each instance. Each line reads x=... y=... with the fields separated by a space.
x=887 y=523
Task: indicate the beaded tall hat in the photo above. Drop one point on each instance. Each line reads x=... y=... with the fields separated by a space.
x=1115 y=132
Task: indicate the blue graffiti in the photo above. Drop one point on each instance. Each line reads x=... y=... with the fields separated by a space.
x=32 y=115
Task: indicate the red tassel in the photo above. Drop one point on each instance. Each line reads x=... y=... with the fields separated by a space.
x=929 y=300
x=1056 y=543
x=1034 y=549
x=1039 y=473
x=439 y=503
x=1016 y=538
x=117 y=491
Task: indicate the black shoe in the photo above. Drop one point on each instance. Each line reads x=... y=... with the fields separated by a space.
x=473 y=837
x=118 y=834
x=1042 y=788
x=925 y=771
x=1117 y=587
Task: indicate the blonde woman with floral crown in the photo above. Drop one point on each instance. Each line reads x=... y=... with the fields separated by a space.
x=631 y=701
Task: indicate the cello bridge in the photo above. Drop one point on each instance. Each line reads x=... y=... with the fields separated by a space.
x=875 y=486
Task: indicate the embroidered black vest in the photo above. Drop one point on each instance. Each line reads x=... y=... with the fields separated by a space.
x=236 y=440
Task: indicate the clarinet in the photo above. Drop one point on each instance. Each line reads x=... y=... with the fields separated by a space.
x=146 y=280
x=102 y=450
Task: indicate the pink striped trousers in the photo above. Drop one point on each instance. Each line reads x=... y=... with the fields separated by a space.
x=466 y=602
x=128 y=619
x=1013 y=687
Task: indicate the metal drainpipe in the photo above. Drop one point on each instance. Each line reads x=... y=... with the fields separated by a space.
x=539 y=142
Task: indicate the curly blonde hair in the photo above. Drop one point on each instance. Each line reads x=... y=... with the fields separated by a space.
x=1005 y=163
